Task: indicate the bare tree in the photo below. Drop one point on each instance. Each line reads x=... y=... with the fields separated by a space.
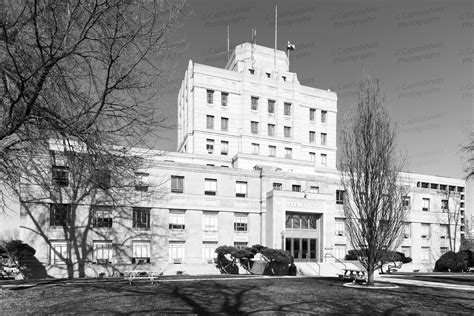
x=81 y=70
x=373 y=203
x=451 y=209
x=469 y=149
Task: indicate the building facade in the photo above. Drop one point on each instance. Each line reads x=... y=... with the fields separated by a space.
x=256 y=164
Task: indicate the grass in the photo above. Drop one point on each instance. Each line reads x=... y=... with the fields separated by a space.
x=249 y=296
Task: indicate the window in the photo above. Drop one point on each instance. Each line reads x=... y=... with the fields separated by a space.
x=254 y=103
x=241 y=189
x=272 y=151
x=323 y=138
x=425 y=185
x=209 y=251
x=141 y=217
x=443 y=250
x=60 y=214
x=287 y=108
x=271 y=106
x=425 y=254
x=177 y=220
x=340 y=227
x=406 y=202
x=210 y=146
x=444 y=205
x=176 y=252
x=240 y=222
x=210 y=186
x=339 y=196
x=324 y=115
x=60 y=176
x=140 y=252
x=255 y=149
x=59 y=252
x=296 y=188
x=141 y=181
x=209 y=223
x=443 y=187
x=252 y=71
x=277 y=186
x=425 y=231
x=340 y=251
x=254 y=127
x=268 y=74
x=240 y=244
x=312 y=136
x=271 y=129
x=210 y=96
x=443 y=231
x=324 y=159
x=288 y=153
x=434 y=186
x=314 y=189
x=209 y=122
x=224 y=124
x=284 y=78
x=312 y=113
x=102 y=216
x=102 y=178
x=224 y=147
x=102 y=251
x=177 y=184
x=224 y=96
x=407 y=231
x=296 y=220
x=406 y=250
x=287 y=131
x=426 y=204
x=312 y=156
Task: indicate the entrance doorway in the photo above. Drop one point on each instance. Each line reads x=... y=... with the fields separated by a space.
x=302 y=248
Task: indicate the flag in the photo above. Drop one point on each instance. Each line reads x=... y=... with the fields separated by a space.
x=290 y=46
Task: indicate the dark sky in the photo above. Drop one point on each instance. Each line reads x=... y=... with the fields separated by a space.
x=422 y=52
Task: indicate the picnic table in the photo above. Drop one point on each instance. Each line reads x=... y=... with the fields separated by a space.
x=141 y=275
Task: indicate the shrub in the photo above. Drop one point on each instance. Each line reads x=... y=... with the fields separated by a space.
x=450 y=261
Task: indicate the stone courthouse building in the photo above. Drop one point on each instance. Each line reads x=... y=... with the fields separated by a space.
x=255 y=164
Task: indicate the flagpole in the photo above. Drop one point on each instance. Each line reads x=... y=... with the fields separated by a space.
x=228 y=48
x=276 y=35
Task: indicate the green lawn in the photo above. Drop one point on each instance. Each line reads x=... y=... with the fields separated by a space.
x=248 y=296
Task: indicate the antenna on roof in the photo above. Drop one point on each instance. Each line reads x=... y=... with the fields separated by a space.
x=289 y=48
x=254 y=42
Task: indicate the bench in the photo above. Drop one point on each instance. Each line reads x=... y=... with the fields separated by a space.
x=353 y=274
x=141 y=275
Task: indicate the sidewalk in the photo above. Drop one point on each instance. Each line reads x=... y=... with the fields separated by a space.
x=393 y=279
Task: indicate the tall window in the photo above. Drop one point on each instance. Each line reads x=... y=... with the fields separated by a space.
x=210 y=145
x=210 y=186
x=140 y=252
x=271 y=106
x=209 y=223
x=102 y=251
x=312 y=113
x=141 y=217
x=312 y=156
x=177 y=220
x=288 y=153
x=324 y=159
x=340 y=227
x=406 y=250
x=210 y=122
x=177 y=184
x=407 y=230
x=254 y=127
x=141 y=181
x=102 y=178
x=312 y=136
x=224 y=124
x=272 y=151
x=240 y=222
x=59 y=252
x=176 y=251
x=60 y=176
x=406 y=202
x=271 y=129
x=287 y=108
x=323 y=138
x=210 y=96
x=241 y=189
x=426 y=204
x=443 y=231
x=240 y=244
x=296 y=188
x=444 y=205
x=224 y=147
x=60 y=214
x=224 y=96
x=339 y=197
x=425 y=231
x=277 y=186
x=287 y=131
x=254 y=103
x=255 y=148
x=209 y=251
x=102 y=216
x=425 y=254
x=296 y=220
x=324 y=116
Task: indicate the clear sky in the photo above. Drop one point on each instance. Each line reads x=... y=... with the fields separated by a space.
x=422 y=52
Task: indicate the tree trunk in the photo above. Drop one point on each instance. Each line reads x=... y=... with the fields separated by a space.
x=370 y=277
x=70 y=270
x=81 y=269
